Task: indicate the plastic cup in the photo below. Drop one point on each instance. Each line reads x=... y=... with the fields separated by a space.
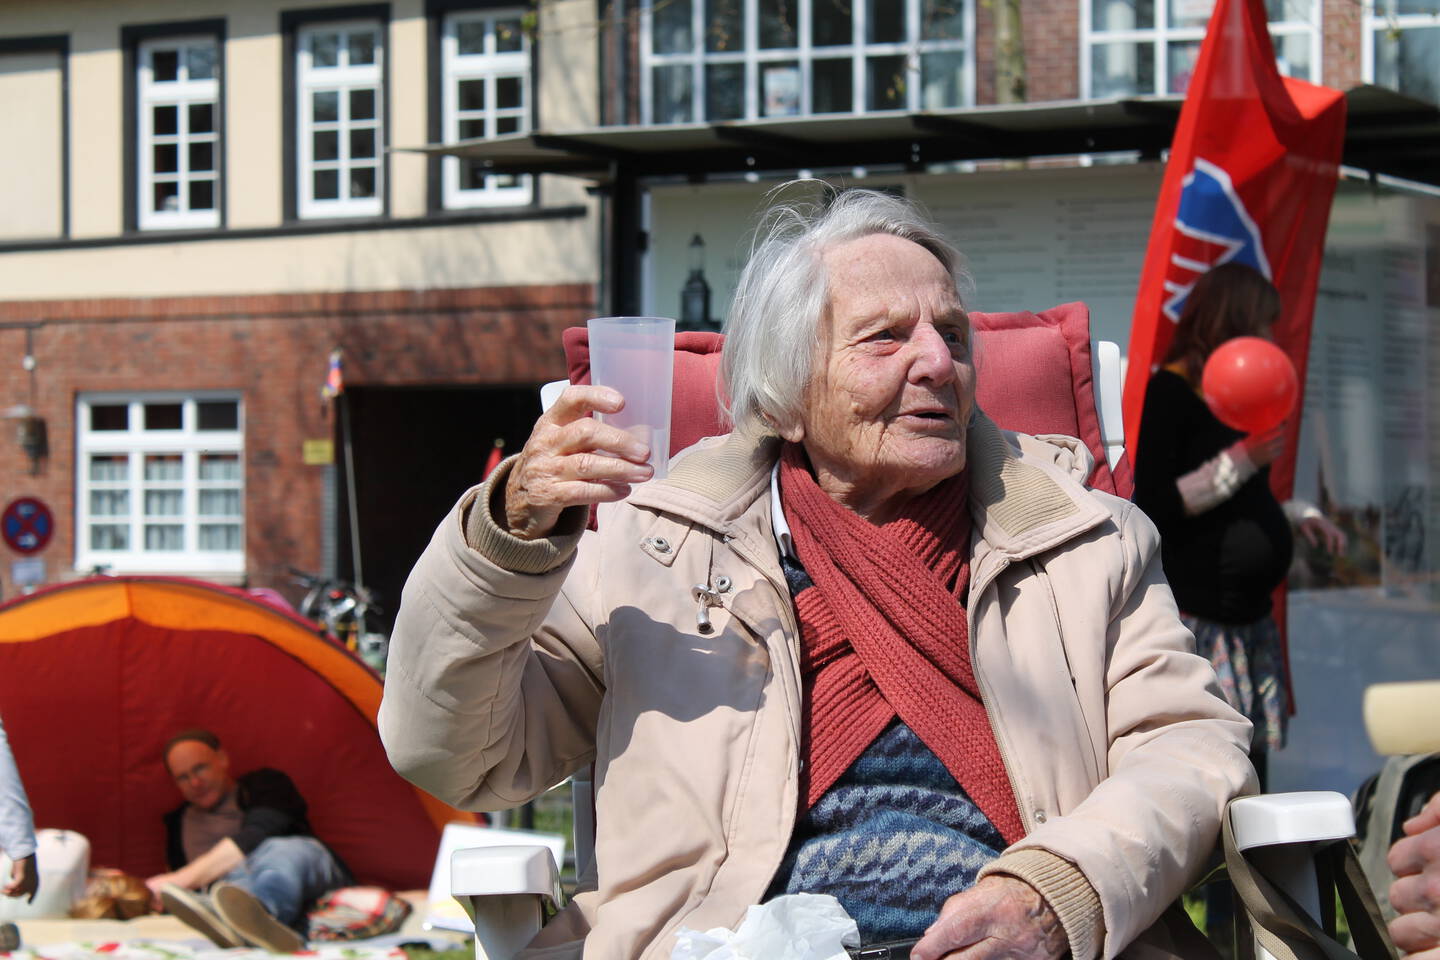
x=636 y=356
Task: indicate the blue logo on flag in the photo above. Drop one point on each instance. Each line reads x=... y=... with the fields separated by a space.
x=1212 y=227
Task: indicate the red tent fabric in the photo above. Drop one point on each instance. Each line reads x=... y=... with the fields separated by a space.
x=96 y=675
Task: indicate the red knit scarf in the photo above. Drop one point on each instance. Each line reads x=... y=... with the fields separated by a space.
x=882 y=634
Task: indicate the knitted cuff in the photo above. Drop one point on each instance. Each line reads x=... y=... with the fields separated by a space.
x=1067 y=892
x=488 y=537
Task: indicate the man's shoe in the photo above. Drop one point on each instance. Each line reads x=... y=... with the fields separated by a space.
x=195 y=910
x=241 y=910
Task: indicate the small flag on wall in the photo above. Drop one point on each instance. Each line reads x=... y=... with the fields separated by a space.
x=497 y=453
x=334 y=379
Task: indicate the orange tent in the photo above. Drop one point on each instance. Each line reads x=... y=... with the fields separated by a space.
x=97 y=674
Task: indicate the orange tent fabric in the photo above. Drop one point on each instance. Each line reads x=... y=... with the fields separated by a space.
x=97 y=674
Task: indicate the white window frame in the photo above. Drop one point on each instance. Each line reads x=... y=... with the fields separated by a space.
x=181 y=93
x=805 y=54
x=341 y=79
x=135 y=443
x=490 y=66
x=1162 y=34
x=1377 y=21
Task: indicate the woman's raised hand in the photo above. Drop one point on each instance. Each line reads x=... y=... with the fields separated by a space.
x=1264 y=448
x=572 y=459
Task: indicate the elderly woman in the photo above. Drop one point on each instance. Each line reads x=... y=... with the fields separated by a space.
x=867 y=644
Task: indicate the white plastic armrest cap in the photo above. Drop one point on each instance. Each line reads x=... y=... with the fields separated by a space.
x=486 y=871
x=1305 y=817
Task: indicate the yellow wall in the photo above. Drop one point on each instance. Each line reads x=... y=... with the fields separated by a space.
x=30 y=189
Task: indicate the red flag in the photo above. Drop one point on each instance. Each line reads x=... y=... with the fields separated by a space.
x=334 y=378
x=497 y=453
x=1251 y=174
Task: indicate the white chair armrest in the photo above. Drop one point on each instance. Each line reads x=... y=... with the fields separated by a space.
x=506 y=891
x=1108 y=373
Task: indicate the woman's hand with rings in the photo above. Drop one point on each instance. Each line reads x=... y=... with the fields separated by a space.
x=572 y=459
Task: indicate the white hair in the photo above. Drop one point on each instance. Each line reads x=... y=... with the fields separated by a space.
x=773 y=328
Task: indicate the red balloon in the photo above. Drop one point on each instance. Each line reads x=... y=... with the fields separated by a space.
x=1249 y=384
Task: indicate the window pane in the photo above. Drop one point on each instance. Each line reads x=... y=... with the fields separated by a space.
x=166 y=537
x=1292 y=55
x=1180 y=64
x=362 y=104
x=831 y=24
x=202 y=195
x=885 y=83
x=507 y=92
x=942 y=80
x=219 y=536
x=216 y=415
x=362 y=182
x=1122 y=69
x=724 y=26
x=165 y=65
x=670 y=27
x=942 y=19
x=167 y=158
x=201 y=62
x=472 y=129
x=202 y=157
x=472 y=94
x=832 y=88
x=1295 y=11
x=164 y=503
x=1122 y=14
x=672 y=94
x=109 y=503
x=777 y=26
x=165 y=121
x=325 y=106
x=470 y=37
x=109 y=468
x=885 y=21
x=1190 y=13
x=220 y=466
x=110 y=416
x=779 y=89
x=219 y=503
x=327 y=184
x=509 y=36
x=326 y=145
x=163 y=416
x=164 y=467
x=362 y=144
x=1409 y=62
x=472 y=174
x=202 y=118
x=108 y=536
x=362 y=47
x=507 y=125
x=167 y=197
x=724 y=91
x=324 y=49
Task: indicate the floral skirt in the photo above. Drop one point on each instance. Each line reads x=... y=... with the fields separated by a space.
x=1251 y=668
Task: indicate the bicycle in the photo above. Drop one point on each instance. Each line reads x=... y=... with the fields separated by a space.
x=344 y=610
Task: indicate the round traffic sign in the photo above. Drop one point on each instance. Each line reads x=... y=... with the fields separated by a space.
x=27 y=525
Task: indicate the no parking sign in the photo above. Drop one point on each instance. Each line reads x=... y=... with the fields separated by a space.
x=27 y=525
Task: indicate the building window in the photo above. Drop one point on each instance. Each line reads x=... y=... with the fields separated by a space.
x=178 y=133
x=485 y=93
x=340 y=138
x=1132 y=47
x=160 y=484
x=1402 y=49
x=745 y=59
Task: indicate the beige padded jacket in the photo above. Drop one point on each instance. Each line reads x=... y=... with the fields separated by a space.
x=513 y=664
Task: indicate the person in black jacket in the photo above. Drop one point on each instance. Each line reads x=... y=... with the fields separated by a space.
x=247 y=840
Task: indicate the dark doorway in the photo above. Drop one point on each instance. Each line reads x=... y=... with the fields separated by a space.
x=416 y=450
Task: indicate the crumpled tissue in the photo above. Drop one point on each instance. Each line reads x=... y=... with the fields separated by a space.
x=796 y=926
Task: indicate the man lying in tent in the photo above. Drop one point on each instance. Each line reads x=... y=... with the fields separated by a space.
x=249 y=834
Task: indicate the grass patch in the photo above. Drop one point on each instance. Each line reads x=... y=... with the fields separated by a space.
x=457 y=953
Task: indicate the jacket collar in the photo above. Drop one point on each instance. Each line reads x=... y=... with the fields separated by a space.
x=1026 y=495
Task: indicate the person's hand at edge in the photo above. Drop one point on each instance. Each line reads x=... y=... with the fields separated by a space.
x=1415 y=894
x=1000 y=918
x=1319 y=531
x=24 y=879
x=572 y=459
x=1263 y=448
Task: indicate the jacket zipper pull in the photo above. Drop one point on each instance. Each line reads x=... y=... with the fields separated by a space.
x=705 y=598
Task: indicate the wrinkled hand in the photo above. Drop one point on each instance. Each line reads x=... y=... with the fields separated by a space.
x=24 y=879
x=1318 y=530
x=572 y=459
x=155 y=883
x=1263 y=448
x=1415 y=895
x=1000 y=918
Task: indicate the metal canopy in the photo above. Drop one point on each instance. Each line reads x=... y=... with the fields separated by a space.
x=1386 y=132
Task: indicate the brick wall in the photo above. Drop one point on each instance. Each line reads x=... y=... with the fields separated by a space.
x=1052 y=50
x=274 y=350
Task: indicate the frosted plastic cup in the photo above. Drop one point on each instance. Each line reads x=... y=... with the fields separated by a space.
x=636 y=355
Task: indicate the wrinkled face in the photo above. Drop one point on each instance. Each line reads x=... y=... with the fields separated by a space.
x=887 y=409
x=201 y=773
